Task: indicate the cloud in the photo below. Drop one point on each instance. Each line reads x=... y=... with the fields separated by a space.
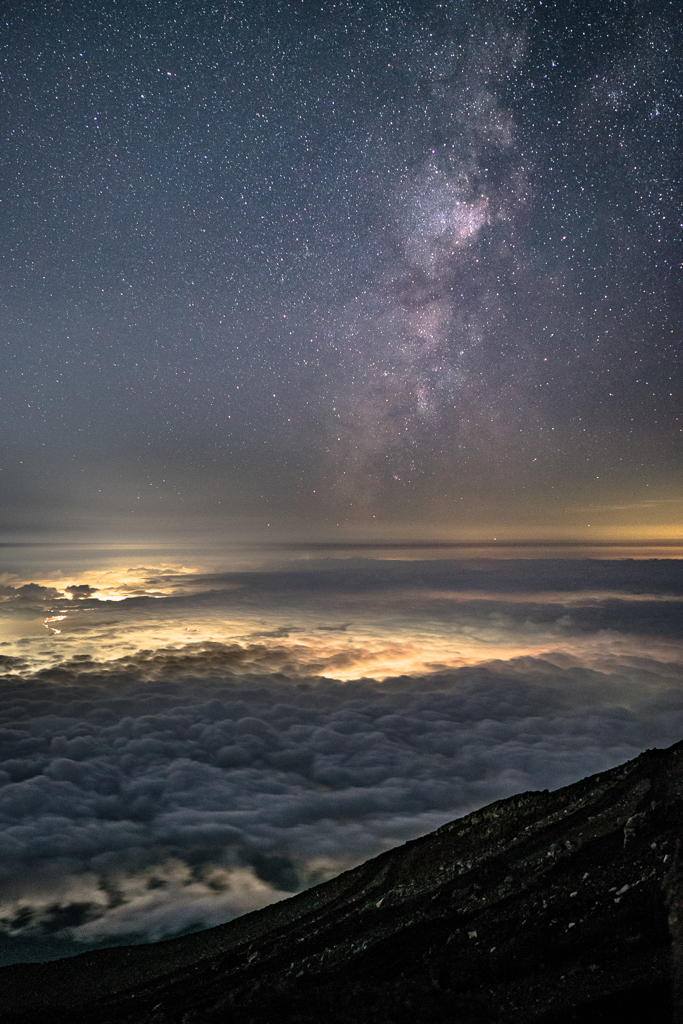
x=30 y=597
x=167 y=898
x=243 y=784
x=155 y=788
x=81 y=591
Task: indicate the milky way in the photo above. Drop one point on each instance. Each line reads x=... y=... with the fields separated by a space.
x=317 y=321
x=366 y=260
x=451 y=219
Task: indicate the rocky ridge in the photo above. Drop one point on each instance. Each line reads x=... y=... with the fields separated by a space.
x=544 y=908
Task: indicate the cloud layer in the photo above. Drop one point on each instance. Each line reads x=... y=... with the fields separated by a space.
x=164 y=789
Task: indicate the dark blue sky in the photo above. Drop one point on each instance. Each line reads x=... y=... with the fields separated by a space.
x=341 y=261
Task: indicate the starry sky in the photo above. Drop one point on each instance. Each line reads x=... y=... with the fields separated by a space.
x=340 y=436
x=376 y=268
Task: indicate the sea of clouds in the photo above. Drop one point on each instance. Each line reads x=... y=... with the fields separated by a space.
x=159 y=790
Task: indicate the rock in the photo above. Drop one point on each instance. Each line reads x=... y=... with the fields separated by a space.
x=547 y=908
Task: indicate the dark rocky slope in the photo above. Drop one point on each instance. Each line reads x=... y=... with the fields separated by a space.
x=547 y=907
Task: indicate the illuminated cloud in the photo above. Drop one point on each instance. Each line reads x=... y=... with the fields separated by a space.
x=177 y=785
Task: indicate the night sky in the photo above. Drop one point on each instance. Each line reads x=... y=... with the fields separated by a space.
x=340 y=436
x=309 y=264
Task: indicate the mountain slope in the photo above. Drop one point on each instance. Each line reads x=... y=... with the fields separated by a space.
x=546 y=907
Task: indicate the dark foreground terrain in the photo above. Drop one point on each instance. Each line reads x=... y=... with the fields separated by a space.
x=547 y=907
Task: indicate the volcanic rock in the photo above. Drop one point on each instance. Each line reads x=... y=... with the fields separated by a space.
x=544 y=908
